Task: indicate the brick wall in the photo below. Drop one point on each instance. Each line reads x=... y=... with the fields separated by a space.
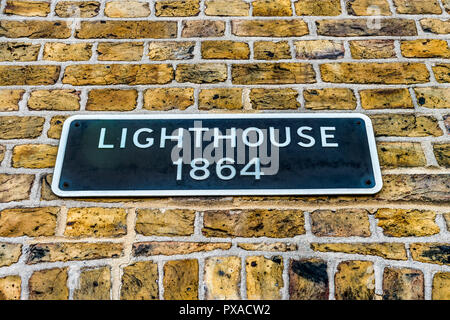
x=62 y=58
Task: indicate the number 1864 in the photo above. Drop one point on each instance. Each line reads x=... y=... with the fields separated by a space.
x=200 y=169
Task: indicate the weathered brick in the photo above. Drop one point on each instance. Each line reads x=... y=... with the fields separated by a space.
x=222 y=278
x=165 y=223
x=167 y=248
x=329 y=98
x=436 y=26
x=177 y=8
x=201 y=73
x=140 y=281
x=49 y=284
x=433 y=97
x=96 y=222
x=181 y=280
x=272 y=247
x=308 y=279
x=34 y=156
x=220 y=98
x=9 y=253
x=127 y=29
x=442 y=72
x=340 y=223
x=441 y=285
x=394 y=251
x=384 y=98
x=264 y=278
x=120 y=51
x=56 y=123
x=318 y=8
x=403 y=284
x=273 y=73
x=364 y=27
x=19 y=51
x=368 y=8
x=319 y=49
x=171 y=50
x=377 y=73
x=446 y=4
x=15 y=187
x=417 y=7
x=31 y=222
x=60 y=99
x=127 y=9
x=94 y=284
x=10 y=288
x=415 y=187
x=202 y=28
x=225 y=49
x=168 y=98
x=9 y=99
x=35 y=29
x=407 y=223
x=268 y=50
x=425 y=48
x=27 y=8
x=253 y=223
x=131 y=74
x=447 y=219
x=447 y=123
x=227 y=8
x=438 y=253
x=28 y=75
x=111 y=100
x=372 y=49
x=355 y=280
x=82 y=9
x=274 y=99
x=269 y=28
x=401 y=188
x=442 y=154
x=269 y=8
x=401 y=154
x=67 y=51
x=405 y=125
x=76 y=251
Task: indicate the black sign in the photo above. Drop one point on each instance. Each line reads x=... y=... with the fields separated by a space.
x=227 y=154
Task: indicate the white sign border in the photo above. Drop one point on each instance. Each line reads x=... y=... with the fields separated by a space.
x=233 y=192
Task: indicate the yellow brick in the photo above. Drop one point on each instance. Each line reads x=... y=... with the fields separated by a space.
x=111 y=100
x=19 y=51
x=9 y=99
x=432 y=97
x=221 y=98
x=225 y=50
x=10 y=288
x=177 y=8
x=117 y=51
x=269 y=8
x=268 y=50
x=49 y=284
x=171 y=50
x=264 y=278
x=418 y=7
x=431 y=48
x=407 y=223
x=81 y=9
x=222 y=278
x=64 y=100
x=226 y=8
x=386 y=99
x=181 y=280
x=318 y=8
x=274 y=99
x=372 y=49
x=34 y=156
x=31 y=222
x=355 y=280
x=168 y=98
x=319 y=49
x=127 y=9
x=96 y=222
x=368 y=8
x=329 y=98
x=67 y=52
x=401 y=154
x=28 y=8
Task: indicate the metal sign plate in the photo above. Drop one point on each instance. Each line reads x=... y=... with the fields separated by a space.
x=226 y=154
